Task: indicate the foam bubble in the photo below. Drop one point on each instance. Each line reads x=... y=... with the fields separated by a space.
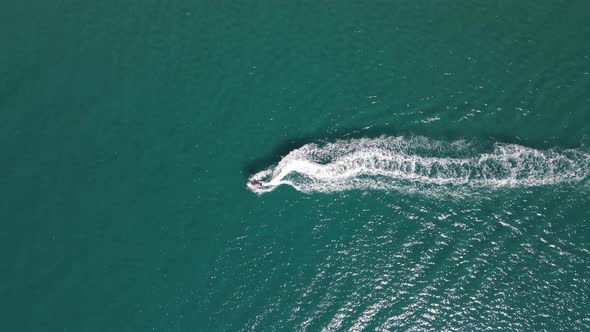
x=420 y=164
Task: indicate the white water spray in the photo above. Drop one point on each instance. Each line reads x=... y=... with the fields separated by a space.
x=418 y=164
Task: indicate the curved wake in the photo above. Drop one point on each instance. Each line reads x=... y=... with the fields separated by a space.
x=410 y=164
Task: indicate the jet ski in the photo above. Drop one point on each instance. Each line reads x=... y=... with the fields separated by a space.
x=259 y=186
x=255 y=183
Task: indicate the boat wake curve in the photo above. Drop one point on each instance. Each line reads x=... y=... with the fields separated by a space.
x=419 y=164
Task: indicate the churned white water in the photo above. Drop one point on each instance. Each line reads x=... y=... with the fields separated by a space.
x=417 y=164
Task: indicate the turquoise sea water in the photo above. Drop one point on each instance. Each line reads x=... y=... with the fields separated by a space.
x=428 y=164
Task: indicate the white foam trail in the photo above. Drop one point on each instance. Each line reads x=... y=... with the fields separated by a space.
x=417 y=164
